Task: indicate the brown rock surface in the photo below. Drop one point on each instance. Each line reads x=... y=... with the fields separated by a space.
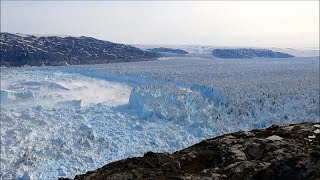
x=287 y=152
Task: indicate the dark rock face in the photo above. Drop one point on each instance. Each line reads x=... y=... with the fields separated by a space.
x=18 y=50
x=290 y=152
x=248 y=53
x=168 y=51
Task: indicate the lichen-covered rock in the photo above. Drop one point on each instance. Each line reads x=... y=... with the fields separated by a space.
x=289 y=154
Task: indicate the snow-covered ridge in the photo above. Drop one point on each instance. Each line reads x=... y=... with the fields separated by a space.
x=19 y=50
x=206 y=50
x=244 y=53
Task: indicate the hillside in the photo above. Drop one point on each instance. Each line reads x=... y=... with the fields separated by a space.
x=18 y=50
x=241 y=53
x=168 y=51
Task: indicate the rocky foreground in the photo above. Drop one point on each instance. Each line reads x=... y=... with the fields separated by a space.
x=288 y=152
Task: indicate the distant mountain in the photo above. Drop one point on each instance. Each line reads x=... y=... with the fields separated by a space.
x=242 y=53
x=18 y=50
x=168 y=51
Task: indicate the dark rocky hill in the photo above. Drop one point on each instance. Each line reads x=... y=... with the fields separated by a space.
x=288 y=152
x=18 y=50
x=168 y=51
x=242 y=53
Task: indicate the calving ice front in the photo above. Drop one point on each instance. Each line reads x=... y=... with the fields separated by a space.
x=87 y=116
x=90 y=83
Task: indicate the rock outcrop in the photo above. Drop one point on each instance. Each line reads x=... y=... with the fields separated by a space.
x=287 y=152
x=243 y=53
x=168 y=51
x=18 y=50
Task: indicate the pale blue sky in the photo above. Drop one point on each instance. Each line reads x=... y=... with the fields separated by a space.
x=226 y=23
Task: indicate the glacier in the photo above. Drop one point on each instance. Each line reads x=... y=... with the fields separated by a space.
x=62 y=121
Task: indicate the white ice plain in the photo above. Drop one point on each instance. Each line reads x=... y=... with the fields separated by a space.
x=62 y=121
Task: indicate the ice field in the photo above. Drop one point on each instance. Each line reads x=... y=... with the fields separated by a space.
x=62 y=121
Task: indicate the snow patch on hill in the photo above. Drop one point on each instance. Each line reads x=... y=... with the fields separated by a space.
x=205 y=50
